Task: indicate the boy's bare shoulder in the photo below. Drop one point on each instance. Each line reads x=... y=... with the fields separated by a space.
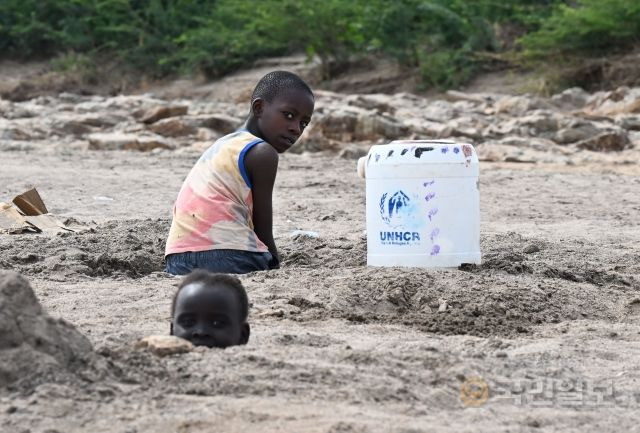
x=261 y=155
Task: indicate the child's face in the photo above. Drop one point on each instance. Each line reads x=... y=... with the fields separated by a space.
x=282 y=121
x=209 y=316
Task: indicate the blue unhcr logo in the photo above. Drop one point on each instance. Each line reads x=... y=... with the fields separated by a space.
x=396 y=211
x=393 y=209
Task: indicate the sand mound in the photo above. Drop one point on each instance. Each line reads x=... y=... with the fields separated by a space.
x=523 y=282
x=131 y=248
x=34 y=346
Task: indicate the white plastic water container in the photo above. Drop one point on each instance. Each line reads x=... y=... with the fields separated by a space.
x=423 y=204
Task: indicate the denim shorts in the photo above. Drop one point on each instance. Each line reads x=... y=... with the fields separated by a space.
x=223 y=261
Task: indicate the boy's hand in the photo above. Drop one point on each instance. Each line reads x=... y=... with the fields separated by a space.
x=274 y=263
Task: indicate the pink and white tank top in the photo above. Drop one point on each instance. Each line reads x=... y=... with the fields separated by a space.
x=214 y=208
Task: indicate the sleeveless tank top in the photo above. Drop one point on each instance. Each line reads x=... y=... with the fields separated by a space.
x=214 y=207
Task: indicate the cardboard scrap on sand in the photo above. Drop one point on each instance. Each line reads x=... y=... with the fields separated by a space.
x=29 y=214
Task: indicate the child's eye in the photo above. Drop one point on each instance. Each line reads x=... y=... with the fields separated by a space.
x=218 y=323
x=186 y=322
x=288 y=115
x=303 y=124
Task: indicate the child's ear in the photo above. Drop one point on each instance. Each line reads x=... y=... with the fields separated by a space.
x=257 y=106
x=244 y=333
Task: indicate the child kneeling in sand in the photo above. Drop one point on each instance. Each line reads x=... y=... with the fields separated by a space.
x=222 y=219
x=210 y=310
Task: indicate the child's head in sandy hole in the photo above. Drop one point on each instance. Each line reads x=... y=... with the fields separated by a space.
x=210 y=310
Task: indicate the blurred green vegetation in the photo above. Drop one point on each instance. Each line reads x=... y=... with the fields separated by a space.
x=592 y=27
x=447 y=41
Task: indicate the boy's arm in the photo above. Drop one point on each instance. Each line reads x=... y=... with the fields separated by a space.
x=261 y=163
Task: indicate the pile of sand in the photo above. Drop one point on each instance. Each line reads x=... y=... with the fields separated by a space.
x=34 y=347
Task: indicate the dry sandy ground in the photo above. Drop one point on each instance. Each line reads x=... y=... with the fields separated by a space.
x=550 y=322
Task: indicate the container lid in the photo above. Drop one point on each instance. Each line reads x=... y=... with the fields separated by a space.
x=422 y=151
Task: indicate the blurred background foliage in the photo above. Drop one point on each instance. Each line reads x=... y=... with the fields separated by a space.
x=446 y=41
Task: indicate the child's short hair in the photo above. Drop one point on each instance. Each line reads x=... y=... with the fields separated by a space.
x=209 y=279
x=274 y=83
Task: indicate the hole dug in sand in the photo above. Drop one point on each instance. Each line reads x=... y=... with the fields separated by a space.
x=34 y=347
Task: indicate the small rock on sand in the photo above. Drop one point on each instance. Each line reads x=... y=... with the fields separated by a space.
x=164 y=345
x=443 y=306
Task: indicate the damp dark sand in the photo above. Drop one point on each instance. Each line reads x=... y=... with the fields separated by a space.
x=550 y=321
